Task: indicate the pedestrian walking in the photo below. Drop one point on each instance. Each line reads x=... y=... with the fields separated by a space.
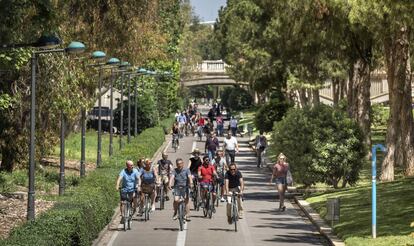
x=231 y=147
x=280 y=170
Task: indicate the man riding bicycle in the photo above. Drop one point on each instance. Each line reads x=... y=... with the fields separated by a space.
x=194 y=163
x=164 y=169
x=233 y=182
x=176 y=133
x=181 y=181
x=260 y=145
x=206 y=172
x=220 y=164
x=129 y=177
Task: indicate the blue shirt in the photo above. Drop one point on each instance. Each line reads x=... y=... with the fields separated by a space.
x=148 y=177
x=182 y=119
x=129 y=179
x=181 y=176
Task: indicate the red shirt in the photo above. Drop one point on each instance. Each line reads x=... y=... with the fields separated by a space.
x=201 y=122
x=206 y=173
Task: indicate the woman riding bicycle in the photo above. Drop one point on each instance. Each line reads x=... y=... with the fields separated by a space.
x=147 y=184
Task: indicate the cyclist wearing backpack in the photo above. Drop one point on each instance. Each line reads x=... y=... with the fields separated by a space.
x=260 y=145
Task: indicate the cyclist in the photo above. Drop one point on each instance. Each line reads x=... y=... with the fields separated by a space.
x=206 y=172
x=261 y=144
x=220 y=164
x=164 y=169
x=233 y=182
x=194 y=163
x=181 y=181
x=176 y=133
x=147 y=184
x=129 y=177
x=212 y=144
x=182 y=120
x=231 y=147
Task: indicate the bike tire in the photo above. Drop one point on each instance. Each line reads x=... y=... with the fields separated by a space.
x=235 y=215
x=129 y=216
x=181 y=215
x=218 y=194
x=210 y=206
x=205 y=208
x=162 y=197
x=124 y=216
x=195 y=200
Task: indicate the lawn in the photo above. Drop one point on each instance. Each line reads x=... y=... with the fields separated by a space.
x=395 y=213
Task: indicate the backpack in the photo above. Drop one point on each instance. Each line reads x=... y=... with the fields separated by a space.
x=261 y=144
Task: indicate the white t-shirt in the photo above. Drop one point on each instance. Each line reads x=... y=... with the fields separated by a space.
x=230 y=143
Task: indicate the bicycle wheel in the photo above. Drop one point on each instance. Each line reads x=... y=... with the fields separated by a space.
x=210 y=205
x=218 y=194
x=124 y=215
x=146 y=211
x=195 y=198
x=162 y=198
x=205 y=208
x=129 y=213
x=181 y=215
x=235 y=214
x=148 y=207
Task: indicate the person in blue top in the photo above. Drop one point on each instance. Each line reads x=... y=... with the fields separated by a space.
x=127 y=184
x=147 y=182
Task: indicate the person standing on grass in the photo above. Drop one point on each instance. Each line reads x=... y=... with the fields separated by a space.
x=280 y=170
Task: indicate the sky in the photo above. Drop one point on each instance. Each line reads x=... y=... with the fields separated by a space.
x=207 y=10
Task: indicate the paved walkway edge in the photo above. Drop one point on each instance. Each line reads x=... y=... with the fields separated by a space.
x=319 y=223
x=106 y=234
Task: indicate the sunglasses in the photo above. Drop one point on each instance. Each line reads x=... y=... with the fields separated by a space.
x=231 y=169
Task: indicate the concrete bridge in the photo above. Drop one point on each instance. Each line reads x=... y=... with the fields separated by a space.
x=215 y=73
x=210 y=73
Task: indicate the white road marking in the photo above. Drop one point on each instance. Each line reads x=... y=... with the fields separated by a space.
x=114 y=236
x=182 y=235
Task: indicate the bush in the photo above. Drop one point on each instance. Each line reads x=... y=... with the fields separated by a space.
x=322 y=144
x=380 y=115
x=79 y=216
x=270 y=113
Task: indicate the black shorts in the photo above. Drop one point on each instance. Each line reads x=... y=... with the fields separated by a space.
x=125 y=196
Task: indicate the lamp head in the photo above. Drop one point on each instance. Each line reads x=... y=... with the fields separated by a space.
x=47 y=42
x=98 y=55
x=142 y=70
x=113 y=61
x=75 y=48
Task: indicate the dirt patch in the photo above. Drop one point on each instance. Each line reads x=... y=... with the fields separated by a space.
x=13 y=212
x=69 y=164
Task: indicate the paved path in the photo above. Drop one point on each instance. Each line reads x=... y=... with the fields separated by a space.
x=262 y=223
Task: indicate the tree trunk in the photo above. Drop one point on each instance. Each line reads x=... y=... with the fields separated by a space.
x=359 y=104
x=343 y=89
x=335 y=91
x=7 y=160
x=303 y=99
x=400 y=138
x=315 y=97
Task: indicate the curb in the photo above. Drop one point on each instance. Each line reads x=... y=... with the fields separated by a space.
x=107 y=231
x=320 y=224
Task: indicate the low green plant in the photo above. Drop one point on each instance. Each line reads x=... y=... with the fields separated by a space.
x=270 y=113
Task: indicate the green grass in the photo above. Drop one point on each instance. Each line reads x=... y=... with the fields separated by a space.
x=73 y=146
x=395 y=212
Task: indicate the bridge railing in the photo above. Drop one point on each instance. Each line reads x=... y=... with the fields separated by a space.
x=210 y=66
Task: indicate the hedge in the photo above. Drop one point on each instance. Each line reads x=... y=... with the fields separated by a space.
x=79 y=215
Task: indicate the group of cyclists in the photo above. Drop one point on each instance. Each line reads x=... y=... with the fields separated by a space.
x=215 y=171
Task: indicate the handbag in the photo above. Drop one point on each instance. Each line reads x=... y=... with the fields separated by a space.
x=289 y=178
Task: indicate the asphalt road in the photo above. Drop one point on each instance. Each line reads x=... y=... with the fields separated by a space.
x=262 y=224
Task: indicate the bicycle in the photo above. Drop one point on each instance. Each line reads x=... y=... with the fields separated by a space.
x=161 y=195
x=200 y=133
x=218 y=192
x=175 y=142
x=234 y=209
x=208 y=205
x=128 y=212
x=147 y=206
x=181 y=208
x=196 y=195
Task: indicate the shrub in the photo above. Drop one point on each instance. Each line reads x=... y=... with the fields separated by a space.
x=322 y=144
x=380 y=115
x=79 y=216
x=270 y=113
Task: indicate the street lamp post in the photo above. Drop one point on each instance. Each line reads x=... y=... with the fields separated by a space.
x=49 y=43
x=123 y=66
x=83 y=143
x=112 y=61
x=129 y=107
x=141 y=71
x=99 y=55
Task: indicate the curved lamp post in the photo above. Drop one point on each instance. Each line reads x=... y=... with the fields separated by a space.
x=140 y=71
x=112 y=62
x=99 y=55
x=45 y=44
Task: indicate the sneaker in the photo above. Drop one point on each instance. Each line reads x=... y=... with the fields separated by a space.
x=213 y=209
x=167 y=198
x=175 y=217
x=122 y=220
x=240 y=215
x=153 y=208
x=222 y=199
x=157 y=199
